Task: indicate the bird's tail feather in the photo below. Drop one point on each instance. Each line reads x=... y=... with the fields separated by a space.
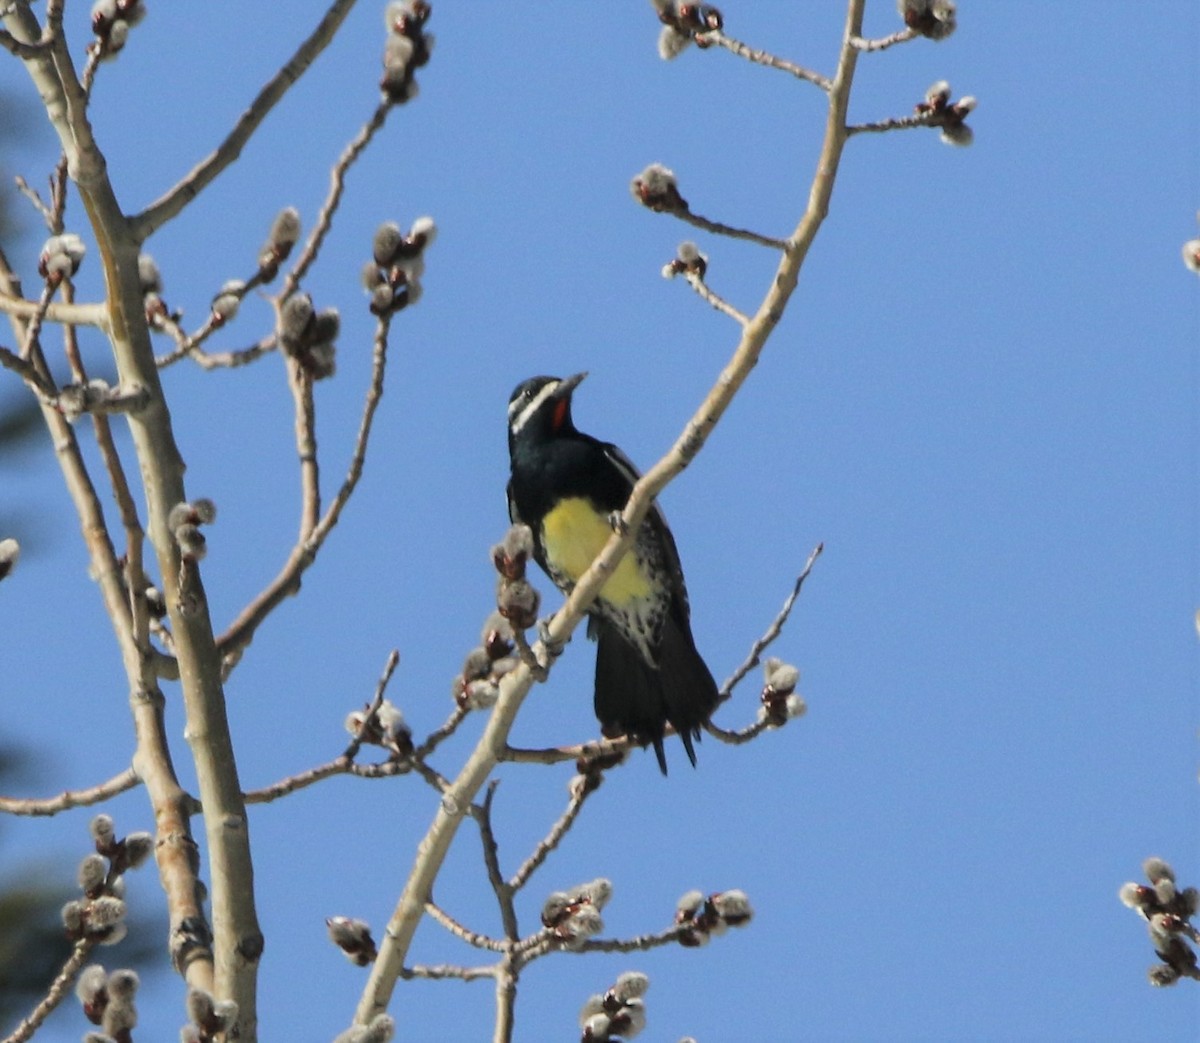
x=638 y=699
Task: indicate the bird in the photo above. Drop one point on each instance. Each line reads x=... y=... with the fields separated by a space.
x=569 y=488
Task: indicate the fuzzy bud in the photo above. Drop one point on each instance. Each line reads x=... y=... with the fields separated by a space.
x=294 y=317
x=1157 y=869
x=192 y=544
x=497 y=636
x=518 y=602
x=138 y=847
x=630 y=985
x=149 y=277
x=104 y=832
x=353 y=937
x=733 y=907
x=10 y=551
x=597 y=892
x=92 y=872
x=123 y=985
x=284 y=234
x=92 y=992
x=386 y=244
x=655 y=187
x=1191 y=255
x=933 y=19
x=225 y=304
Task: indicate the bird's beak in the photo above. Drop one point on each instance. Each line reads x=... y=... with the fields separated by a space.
x=568 y=385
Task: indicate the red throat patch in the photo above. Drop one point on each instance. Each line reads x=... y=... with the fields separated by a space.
x=560 y=413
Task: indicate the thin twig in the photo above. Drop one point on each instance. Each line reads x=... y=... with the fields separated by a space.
x=33 y=331
x=31 y=193
x=241 y=631
x=56 y=311
x=771 y=61
x=438 y=735
x=527 y=655
x=718 y=228
x=204 y=173
x=883 y=43
x=57 y=992
x=542 y=944
x=697 y=283
x=738 y=737
x=491 y=859
x=595 y=749
x=337 y=185
x=920 y=119
x=552 y=839
x=28 y=373
x=187 y=345
x=774 y=630
x=442 y=971
x=479 y=941
x=78 y=798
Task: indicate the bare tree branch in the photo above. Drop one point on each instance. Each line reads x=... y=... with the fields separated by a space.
x=241 y=631
x=775 y=629
x=696 y=282
x=158 y=213
x=57 y=992
x=882 y=44
x=763 y=58
x=516 y=684
x=79 y=798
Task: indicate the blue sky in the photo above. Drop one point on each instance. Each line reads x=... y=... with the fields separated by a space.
x=982 y=400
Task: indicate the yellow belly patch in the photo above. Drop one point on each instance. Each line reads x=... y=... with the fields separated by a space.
x=573 y=534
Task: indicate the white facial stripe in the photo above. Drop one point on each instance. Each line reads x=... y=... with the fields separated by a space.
x=528 y=410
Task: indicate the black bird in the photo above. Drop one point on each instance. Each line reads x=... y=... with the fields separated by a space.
x=565 y=486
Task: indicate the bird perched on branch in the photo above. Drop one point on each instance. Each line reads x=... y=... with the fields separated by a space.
x=568 y=488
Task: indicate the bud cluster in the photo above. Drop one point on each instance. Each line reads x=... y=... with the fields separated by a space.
x=574 y=916
x=948 y=116
x=392 y=277
x=61 y=257
x=353 y=937
x=620 y=1013
x=684 y=23
x=99 y=915
x=184 y=521
x=705 y=917
x=935 y=19
x=111 y=22
x=516 y=598
x=655 y=187
x=208 y=1018
x=381 y=1029
x=96 y=396
x=477 y=685
x=688 y=260
x=407 y=49
x=780 y=703
x=108 y=1000
x=308 y=335
x=385 y=727
x=1168 y=911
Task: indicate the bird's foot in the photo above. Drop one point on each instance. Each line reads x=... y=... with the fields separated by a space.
x=553 y=647
x=617 y=520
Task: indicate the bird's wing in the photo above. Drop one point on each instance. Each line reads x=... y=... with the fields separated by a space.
x=513 y=516
x=657 y=520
